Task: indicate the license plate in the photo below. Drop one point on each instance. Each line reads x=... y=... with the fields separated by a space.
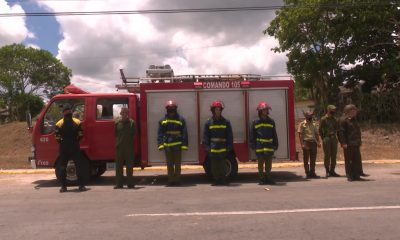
x=110 y=166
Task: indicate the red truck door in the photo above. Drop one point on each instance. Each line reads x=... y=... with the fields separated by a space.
x=44 y=139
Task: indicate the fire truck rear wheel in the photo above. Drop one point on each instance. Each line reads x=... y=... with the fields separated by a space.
x=72 y=178
x=207 y=168
x=231 y=166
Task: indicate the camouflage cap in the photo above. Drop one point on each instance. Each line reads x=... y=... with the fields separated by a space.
x=308 y=113
x=349 y=107
x=331 y=108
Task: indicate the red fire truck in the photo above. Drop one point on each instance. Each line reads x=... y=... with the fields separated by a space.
x=146 y=98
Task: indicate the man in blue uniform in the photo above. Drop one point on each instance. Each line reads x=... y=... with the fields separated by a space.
x=264 y=140
x=218 y=142
x=172 y=138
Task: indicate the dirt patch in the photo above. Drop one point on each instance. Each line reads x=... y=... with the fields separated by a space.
x=15 y=145
x=379 y=142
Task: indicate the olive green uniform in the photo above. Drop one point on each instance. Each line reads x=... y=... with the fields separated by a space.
x=328 y=130
x=124 y=133
x=350 y=135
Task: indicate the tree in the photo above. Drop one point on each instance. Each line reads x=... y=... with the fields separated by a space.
x=29 y=71
x=328 y=42
x=28 y=103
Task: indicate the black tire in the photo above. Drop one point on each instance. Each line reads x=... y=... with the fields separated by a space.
x=207 y=168
x=72 y=178
x=231 y=166
x=97 y=170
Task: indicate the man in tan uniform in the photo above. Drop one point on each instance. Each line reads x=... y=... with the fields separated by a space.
x=309 y=140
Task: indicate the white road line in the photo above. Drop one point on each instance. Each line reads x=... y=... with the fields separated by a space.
x=262 y=212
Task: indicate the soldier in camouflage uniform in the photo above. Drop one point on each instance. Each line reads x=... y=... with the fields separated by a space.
x=328 y=130
x=124 y=133
x=350 y=140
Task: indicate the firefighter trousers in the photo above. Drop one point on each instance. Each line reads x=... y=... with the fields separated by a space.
x=67 y=154
x=218 y=167
x=264 y=160
x=174 y=159
x=330 y=150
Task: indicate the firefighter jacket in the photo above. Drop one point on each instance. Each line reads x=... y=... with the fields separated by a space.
x=328 y=127
x=263 y=137
x=68 y=132
x=349 y=132
x=172 y=133
x=218 y=136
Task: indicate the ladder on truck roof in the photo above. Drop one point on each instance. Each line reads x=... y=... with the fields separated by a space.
x=132 y=84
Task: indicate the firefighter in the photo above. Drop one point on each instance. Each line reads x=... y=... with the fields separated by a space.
x=264 y=140
x=172 y=138
x=218 y=142
x=68 y=133
x=124 y=133
x=309 y=140
x=328 y=130
x=350 y=141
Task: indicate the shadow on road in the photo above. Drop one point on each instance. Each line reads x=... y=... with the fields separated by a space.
x=187 y=180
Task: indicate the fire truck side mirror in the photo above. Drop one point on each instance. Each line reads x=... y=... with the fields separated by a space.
x=29 y=120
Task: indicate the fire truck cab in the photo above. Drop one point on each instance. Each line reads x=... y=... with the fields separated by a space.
x=146 y=98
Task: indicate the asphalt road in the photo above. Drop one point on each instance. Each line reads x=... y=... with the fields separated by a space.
x=32 y=208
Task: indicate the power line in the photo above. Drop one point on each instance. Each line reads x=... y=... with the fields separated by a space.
x=131 y=12
x=188 y=10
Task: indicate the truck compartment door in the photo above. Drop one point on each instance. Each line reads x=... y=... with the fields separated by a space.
x=187 y=108
x=277 y=99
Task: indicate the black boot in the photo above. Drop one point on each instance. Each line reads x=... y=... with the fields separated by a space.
x=63 y=189
x=333 y=174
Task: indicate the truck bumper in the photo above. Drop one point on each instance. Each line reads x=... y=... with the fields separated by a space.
x=32 y=161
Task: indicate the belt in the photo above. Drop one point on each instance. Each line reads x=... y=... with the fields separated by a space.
x=218 y=139
x=173 y=132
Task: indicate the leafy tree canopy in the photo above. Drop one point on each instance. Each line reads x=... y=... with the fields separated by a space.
x=26 y=70
x=329 y=42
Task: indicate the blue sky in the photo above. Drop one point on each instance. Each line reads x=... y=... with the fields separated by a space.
x=46 y=29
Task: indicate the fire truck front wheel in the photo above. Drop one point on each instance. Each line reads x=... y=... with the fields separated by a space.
x=97 y=171
x=71 y=177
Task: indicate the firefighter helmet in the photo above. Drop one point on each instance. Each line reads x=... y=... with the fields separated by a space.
x=171 y=104
x=66 y=107
x=216 y=104
x=262 y=106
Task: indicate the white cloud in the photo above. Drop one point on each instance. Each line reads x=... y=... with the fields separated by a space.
x=33 y=46
x=12 y=29
x=96 y=47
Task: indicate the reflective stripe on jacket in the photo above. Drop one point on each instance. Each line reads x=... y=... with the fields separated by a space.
x=68 y=132
x=172 y=133
x=263 y=137
x=218 y=136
